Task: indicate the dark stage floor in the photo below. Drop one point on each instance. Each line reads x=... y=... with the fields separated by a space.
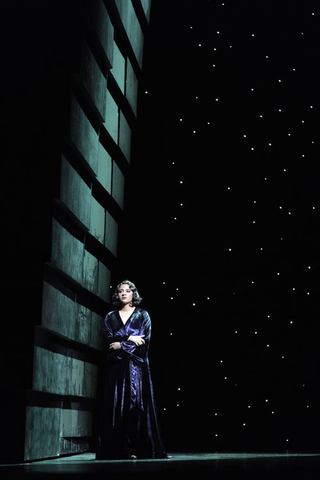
x=209 y=465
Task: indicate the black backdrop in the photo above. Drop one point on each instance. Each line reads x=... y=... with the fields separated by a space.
x=222 y=228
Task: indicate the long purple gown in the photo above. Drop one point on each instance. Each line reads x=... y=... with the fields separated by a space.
x=129 y=419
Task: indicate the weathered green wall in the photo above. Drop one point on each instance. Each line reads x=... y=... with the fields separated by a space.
x=94 y=163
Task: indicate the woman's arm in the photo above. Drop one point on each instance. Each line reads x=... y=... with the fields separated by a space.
x=109 y=336
x=137 y=339
x=137 y=345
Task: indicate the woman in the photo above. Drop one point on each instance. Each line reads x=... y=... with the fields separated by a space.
x=129 y=427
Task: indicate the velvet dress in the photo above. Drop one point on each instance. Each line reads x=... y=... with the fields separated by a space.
x=129 y=420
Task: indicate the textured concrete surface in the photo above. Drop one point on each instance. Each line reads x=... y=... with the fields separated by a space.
x=63 y=375
x=112 y=117
x=83 y=134
x=104 y=168
x=75 y=193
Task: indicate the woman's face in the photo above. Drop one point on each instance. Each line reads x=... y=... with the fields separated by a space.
x=125 y=294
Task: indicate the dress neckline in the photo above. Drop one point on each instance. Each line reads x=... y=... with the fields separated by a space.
x=124 y=323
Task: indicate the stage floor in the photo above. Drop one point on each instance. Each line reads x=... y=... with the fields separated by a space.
x=225 y=466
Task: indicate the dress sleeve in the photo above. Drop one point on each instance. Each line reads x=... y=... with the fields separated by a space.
x=109 y=335
x=138 y=354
